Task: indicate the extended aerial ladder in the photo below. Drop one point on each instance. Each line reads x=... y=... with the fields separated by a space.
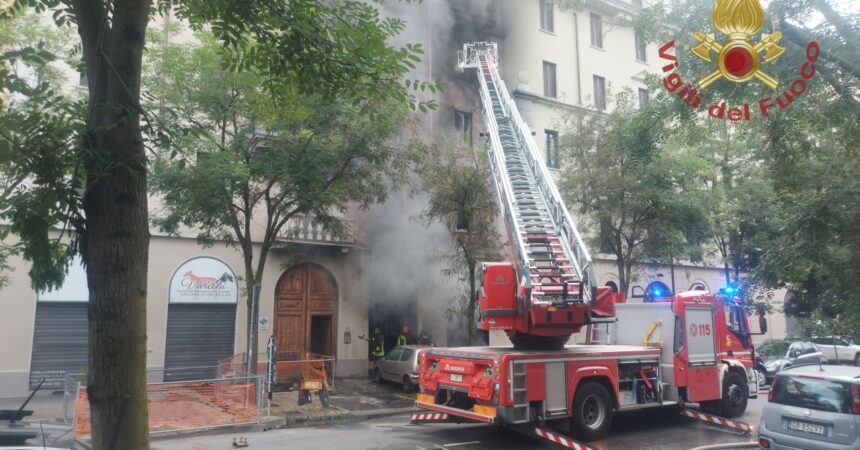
x=552 y=275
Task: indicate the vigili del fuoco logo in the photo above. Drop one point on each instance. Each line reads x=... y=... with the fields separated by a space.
x=737 y=58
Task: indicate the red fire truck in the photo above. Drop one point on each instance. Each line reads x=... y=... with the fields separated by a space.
x=690 y=347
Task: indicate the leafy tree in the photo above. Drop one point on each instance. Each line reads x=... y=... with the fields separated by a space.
x=38 y=126
x=457 y=180
x=635 y=182
x=260 y=168
x=788 y=208
x=337 y=50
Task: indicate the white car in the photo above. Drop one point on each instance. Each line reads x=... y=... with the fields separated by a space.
x=837 y=349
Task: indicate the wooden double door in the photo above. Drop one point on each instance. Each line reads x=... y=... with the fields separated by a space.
x=306 y=310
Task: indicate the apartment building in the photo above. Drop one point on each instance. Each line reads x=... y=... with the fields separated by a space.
x=321 y=293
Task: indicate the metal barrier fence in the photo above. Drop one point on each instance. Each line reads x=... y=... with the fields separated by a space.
x=291 y=368
x=183 y=405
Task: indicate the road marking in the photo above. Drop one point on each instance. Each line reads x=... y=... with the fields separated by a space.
x=457 y=444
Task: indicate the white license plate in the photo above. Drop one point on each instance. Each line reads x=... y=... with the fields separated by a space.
x=806 y=427
x=456 y=377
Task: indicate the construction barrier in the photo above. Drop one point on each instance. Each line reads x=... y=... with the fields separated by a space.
x=190 y=405
x=560 y=440
x=718 y=421
x=292 y=369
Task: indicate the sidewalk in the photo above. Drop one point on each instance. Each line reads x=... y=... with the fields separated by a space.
x=351 y=398
x=47 y=406
x=355 y=397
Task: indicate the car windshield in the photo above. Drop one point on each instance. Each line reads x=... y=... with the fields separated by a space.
x=812 y=393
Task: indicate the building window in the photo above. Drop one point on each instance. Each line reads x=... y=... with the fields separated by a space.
x=463 y=124
x=600 y=93
x=641 y=47
x=552 y=149
x=546 y=16
x=549 y=80
x=644 y=97
x=596 y=31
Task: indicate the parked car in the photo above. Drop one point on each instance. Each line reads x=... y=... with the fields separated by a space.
x=812 y=408
x=400 y=365
x=799 y=353
x=839 y=349
x=760 y=369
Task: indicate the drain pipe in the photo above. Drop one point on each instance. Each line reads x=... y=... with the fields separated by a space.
x=749 y=444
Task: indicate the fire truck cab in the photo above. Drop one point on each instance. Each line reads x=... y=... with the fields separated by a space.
x=691 y=347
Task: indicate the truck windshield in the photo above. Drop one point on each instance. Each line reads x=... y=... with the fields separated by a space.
x=812 y=393
x=734 y=320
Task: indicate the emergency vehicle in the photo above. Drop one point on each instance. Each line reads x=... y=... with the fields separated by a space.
x=675 y=349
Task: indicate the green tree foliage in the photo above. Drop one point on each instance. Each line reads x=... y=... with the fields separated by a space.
x=457 y=181
x=255 y=170
x=337 y=51
x=788 y=209
x=38 y=126
x=635 y=182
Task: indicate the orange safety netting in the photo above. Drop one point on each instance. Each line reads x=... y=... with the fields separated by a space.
x=182 y=406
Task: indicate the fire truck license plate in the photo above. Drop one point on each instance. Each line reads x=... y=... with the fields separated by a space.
x=806 y=427
x=456 y=377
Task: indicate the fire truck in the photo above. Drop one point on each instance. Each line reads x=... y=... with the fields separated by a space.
x=691 y=347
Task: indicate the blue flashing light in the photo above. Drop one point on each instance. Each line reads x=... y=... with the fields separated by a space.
x=657 y=292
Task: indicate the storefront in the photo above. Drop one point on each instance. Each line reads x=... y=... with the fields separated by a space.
x=201 y=318
x=60 y=331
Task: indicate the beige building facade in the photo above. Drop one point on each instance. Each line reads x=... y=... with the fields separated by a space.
x=322 y=293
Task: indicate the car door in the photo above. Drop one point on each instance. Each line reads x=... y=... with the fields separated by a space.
x=389 y=364
x=809 y=354
x=404 y=367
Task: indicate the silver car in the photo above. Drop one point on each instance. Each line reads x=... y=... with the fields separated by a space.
x=400 y=365
x=812 y=408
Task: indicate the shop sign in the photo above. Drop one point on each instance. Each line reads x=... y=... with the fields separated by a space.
x=203 y=280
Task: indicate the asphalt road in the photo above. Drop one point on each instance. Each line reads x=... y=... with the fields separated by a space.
x=649 y=429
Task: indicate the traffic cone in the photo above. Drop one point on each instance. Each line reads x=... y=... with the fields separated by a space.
x=195 y=447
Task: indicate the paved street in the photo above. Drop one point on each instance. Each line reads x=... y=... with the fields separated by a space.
x=640 y=430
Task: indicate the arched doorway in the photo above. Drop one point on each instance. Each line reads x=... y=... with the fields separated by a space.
x=306 y=310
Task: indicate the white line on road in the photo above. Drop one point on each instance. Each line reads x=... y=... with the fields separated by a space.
x=457 y=444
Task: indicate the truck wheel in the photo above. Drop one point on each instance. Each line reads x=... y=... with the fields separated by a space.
x=735 y=395
x=377 y=376
x=592 y=412
x=533 y=342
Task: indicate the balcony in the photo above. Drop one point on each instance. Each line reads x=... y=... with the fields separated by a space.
x=303 y=230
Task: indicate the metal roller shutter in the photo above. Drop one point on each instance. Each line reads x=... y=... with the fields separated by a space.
x=198 y=336
x=59 y=342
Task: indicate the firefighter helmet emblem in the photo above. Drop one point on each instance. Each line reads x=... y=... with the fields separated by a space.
x=738 y=60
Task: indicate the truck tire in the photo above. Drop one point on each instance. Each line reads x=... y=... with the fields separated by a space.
x=533 y=342
x=593 y=411
x=735 y=395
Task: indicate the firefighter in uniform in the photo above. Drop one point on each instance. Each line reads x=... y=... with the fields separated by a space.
x=378 y=344
x=402 y=339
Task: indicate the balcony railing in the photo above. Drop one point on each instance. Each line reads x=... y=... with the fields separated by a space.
x=305 y=230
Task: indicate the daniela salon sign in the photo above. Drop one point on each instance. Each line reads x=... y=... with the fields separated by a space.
x=203 y=280
x=738 y=54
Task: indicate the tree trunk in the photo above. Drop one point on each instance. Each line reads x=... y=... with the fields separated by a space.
x=472 y=301
x=115 y=243
x=250 y=281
